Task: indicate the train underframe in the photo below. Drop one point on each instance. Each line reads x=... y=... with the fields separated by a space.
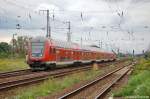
x=37 y=66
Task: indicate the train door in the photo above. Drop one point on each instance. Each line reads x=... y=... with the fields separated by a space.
x=52 y=53
x=77 y=55
x=63 y=55
x=74 y=55
x=58 y=54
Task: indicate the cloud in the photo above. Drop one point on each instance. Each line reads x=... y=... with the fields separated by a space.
x=45 y=6
x=140 y=1
x=98 y=18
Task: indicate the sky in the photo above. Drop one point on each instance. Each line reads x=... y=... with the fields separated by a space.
x=111 y=24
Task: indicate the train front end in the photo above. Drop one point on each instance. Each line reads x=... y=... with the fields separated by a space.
x=36 y=54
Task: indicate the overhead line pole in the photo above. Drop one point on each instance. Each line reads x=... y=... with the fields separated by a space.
x=48 y=24
x=13 y=48
x=69 y=32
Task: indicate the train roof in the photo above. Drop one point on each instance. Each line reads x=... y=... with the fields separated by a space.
x=63 y=44
x=70 y=45
x=38 y=39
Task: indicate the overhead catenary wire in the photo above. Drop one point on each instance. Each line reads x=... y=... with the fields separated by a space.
x=81 y=14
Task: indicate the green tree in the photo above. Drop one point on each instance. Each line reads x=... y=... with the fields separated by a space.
x=20 y=45
x=5 y=49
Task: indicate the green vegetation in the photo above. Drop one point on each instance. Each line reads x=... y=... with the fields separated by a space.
x=143 y=64
x=147 y=55
x=12 y=64
x=139 y=83
x=17 y=47
x=12 y=55
x=55 y=85
x=5 y=49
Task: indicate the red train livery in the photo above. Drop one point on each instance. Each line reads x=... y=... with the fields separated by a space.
x=45 y=53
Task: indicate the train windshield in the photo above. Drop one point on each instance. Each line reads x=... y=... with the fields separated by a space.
x=37 y=49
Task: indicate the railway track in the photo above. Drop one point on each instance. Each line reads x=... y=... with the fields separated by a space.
x=39 y=77
x=15 y=73
x=22 y=77
x=29 y=71
x=98 y=87
x=19 y=73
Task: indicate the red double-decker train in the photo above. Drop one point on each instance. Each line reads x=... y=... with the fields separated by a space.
x=45 y=53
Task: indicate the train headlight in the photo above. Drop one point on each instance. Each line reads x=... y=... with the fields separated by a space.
x=40 y=55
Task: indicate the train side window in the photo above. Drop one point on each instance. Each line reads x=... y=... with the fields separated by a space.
x=54 y=50
x=57 y=51
x=66 y=53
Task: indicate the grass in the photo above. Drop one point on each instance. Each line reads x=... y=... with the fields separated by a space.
x=55 y=85
x=139 y=82
x=7 y=64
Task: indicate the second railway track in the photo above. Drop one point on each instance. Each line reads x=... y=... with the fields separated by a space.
x=29 y=71
x=98 y=87
x=32 y=78
x=15 y=73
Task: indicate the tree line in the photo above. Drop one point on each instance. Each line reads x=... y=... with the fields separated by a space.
x=16 y=48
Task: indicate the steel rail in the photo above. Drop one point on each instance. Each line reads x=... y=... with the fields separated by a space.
x=89 y=84
x=114 y=82
x=10 y=84
x=14 y=73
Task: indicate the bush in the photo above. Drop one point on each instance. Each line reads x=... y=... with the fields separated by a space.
x=139 y=82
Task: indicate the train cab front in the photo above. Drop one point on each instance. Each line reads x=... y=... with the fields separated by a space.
x=36 y=54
